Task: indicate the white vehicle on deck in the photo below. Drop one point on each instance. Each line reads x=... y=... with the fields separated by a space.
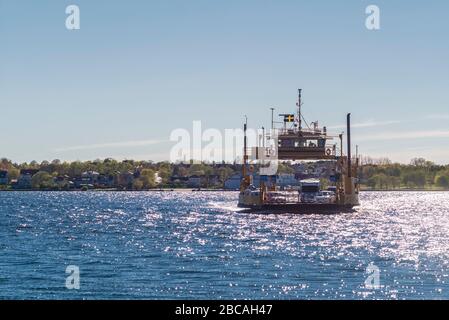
x=326 y=197
x=310 y=189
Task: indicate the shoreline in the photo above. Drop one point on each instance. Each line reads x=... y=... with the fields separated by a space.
x=209 y=190
x=403 y=190
x=114 y=190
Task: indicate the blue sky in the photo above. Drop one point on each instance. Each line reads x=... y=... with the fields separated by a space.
x=136 y=70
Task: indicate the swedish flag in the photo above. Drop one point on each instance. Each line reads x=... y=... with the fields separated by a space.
x=289 y=118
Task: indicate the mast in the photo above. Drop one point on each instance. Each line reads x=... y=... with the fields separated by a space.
x=245 y=156
x=341 y=144
x=348 y=124
x=299 y=109
x=263 y=137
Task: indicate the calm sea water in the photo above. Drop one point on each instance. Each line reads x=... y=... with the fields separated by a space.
x=198 y=246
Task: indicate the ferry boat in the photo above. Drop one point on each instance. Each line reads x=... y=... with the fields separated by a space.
x=293 y=142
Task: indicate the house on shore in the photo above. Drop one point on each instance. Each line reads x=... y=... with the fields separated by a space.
x=195 y=181
x=63 y=182
x=286 y=179
x=4 y=177
x=213 y=180
x=282 y=180
x=179 y=181
x=106 y=181
x=203 y=181
x=233 y=182
x=126 y=180
x=25 y=177
x=91 y=177
x=80 y=182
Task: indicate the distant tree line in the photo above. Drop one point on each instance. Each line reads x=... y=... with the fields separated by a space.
x=379 y=174
x=150 y=174
x=418 y=174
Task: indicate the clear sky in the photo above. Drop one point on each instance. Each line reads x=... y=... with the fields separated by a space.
x=136 y=70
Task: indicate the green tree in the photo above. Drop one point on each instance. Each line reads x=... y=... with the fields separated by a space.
x=138 y=184
x=148 y=178
x=197 y=169
x=285 y=168
x=224 y=173
x=164 y=172
x=6 y=164
x=395 y=182
x=418 y=162
x=413 y=179
x=13 y=174
x=379 y=181
x=442 y=180
x=42 y=180
x=372 y=182
x=34 y=164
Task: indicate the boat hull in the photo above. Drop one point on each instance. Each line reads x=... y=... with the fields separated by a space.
x=300 y=208
x=254 y=203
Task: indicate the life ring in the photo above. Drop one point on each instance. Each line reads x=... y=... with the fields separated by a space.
x=269 y=152
x=328 y=152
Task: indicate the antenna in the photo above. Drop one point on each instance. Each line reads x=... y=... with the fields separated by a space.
x=263 y=137
x=245 y=156
x=348 y=133
x=299 y=108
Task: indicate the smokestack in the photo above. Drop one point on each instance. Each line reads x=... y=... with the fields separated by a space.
x=348 y=124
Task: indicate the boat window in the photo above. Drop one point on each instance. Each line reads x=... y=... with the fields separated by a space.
x=310 y=189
